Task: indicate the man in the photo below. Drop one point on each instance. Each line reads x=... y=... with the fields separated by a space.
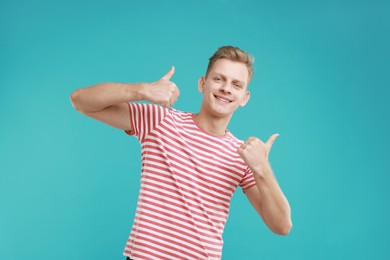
x=191 y=163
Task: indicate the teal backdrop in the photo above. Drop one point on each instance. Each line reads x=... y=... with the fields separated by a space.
x=69 y=184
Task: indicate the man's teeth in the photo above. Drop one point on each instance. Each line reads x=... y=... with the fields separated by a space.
x=224 y=100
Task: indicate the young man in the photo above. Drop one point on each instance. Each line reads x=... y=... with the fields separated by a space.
x=191 y=163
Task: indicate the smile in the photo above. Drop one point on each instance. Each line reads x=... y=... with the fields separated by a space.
x=222 y=99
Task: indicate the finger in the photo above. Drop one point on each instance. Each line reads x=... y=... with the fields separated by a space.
x=173 y=101
x=240 y=151
x=248 y=142
x=170 y=73
x=177 y=91
x=271 y=140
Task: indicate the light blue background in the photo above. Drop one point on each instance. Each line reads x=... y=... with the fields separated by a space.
x=68 y=184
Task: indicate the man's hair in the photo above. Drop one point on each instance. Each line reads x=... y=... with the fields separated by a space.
x=233 y=54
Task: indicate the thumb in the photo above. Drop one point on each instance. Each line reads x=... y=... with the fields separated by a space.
x=170 y=73
x=271 y=140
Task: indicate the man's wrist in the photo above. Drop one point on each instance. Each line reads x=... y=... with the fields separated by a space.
x=137 y=91
x=263 y=171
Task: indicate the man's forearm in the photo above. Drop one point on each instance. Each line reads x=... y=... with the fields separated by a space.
x=100 y=96
x=274 y=205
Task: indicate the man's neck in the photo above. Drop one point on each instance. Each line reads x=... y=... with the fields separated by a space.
x=212 y=124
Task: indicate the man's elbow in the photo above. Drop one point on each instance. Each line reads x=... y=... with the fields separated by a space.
x=284 y=229
x=75 y=99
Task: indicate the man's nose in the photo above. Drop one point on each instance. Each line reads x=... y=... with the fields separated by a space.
x=226 y=88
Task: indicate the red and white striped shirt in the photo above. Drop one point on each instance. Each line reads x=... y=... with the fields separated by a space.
x=188 y=178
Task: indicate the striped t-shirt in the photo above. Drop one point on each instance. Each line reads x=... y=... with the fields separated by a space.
x=188 y=178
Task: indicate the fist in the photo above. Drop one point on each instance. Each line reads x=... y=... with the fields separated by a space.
x=162 y=92
x=255 y=152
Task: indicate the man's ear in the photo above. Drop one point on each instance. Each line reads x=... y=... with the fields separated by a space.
x=245 y=99
x=201 y=84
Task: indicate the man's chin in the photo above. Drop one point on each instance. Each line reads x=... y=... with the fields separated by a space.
x=222 y=114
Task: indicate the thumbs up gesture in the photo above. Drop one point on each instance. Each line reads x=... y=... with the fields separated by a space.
x=255 y=153
x=162 y=92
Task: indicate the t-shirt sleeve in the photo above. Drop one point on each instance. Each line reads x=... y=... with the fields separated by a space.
x=144 y=118
x=248 y=180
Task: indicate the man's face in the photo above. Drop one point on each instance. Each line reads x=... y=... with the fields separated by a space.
x=225 y=88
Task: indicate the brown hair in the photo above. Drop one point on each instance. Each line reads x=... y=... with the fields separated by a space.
x=233 y=54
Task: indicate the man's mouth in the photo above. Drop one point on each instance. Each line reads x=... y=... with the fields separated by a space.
x=222 y=99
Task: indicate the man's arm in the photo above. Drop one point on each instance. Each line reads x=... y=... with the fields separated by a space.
x=107 y=102
x=267 y=196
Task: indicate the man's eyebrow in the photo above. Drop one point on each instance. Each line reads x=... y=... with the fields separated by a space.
x=218 y=74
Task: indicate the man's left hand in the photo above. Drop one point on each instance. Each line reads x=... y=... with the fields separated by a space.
x=255 y=153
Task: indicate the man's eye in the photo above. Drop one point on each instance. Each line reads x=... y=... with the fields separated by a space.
x=217 y=79
x=237 y=85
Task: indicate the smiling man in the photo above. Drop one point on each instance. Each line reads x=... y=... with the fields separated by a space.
x=191 y=163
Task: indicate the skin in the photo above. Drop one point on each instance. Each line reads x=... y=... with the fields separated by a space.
x=224 y=90
x=226 y=81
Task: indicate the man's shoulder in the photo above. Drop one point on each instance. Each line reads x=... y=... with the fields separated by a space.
x=155 y=107
x=231 y=137
x=174 y=110
x=179 y=113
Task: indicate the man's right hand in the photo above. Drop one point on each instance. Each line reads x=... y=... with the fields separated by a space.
x=108 y=102
x=162 y=92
